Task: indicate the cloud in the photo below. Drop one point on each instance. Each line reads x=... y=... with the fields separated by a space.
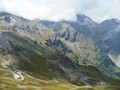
x=56 y=10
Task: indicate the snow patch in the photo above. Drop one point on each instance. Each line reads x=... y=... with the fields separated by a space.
x=12 y=19
x=115 y=59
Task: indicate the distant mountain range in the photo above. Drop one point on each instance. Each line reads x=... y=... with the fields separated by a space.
x=63 y=49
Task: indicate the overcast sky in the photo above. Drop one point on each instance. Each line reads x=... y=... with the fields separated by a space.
x=56 y=10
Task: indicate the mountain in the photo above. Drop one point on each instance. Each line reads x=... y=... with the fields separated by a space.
x=85 y=21
x=108 y=36
x=71 y=51
x=83 y=39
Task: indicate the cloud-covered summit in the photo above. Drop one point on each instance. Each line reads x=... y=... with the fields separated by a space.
x=56 y=10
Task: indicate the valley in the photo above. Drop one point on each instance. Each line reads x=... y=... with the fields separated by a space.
x=46 y=55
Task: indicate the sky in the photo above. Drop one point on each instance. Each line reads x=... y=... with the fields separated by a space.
x=56 y=10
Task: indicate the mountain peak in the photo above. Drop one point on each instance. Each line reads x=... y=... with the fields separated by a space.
x=5 y=14
x=112 y=21
x=85 y=20
x=81 y=17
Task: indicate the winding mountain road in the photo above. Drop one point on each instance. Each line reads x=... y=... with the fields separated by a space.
x=16 y=74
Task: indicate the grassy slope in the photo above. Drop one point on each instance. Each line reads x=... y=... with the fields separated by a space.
x=39 y=84
x=30 y=84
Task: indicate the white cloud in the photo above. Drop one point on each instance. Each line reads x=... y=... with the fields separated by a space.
x=56 y=10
